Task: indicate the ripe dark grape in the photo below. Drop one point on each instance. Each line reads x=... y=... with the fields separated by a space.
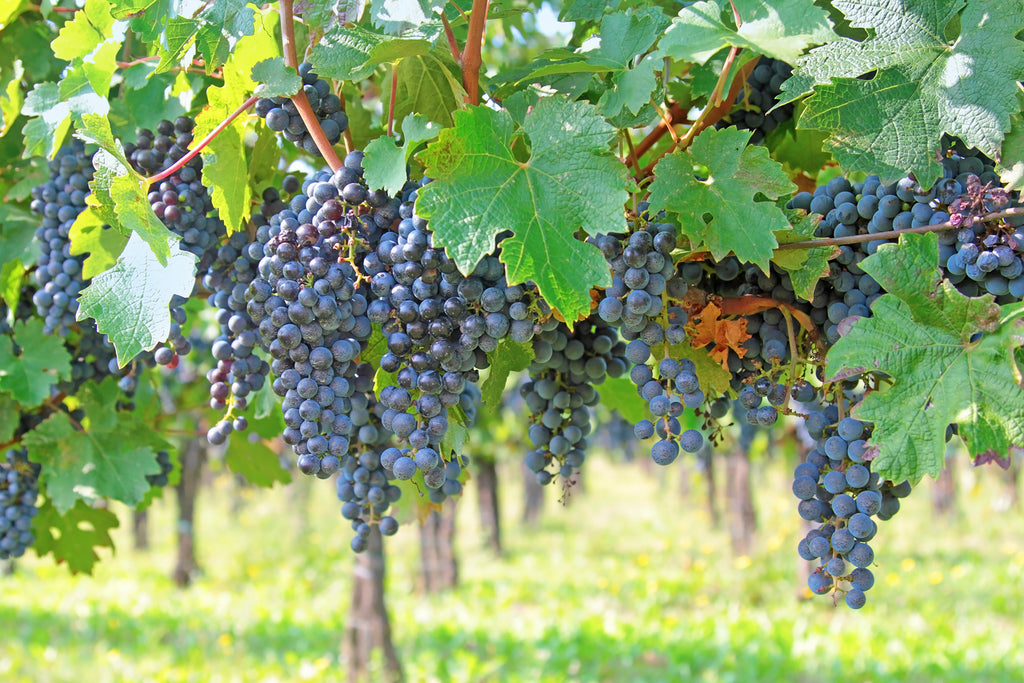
x=841 y=496
x=561 y=390
x=756 y=101
x=283 y=117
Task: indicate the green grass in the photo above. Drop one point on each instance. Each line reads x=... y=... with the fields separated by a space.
x=627 y=583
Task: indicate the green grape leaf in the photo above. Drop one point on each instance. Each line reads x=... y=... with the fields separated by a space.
x=89 y=27
x=90 y=235
x=224 y=23
x=353 y=52
x=119 y=194
x=51 y=123
x=31 y=362
x=568 y=181
x=17 y=243
x=619 y=394
x=583 y=10
x=429 y=85
x=722 y=212
x=130 y=301
x=9 y=416
x=123 y=9
x=11 y=95
x=1011 y=165
x=384 y=165
x=274 y=79
x=255 y=461
x=12 y=274
x=416 y=129
x=376 y=346
x=630 y=89
x=805 y=266
x=455 y=438
x=782 y=29
x=396 y=16
x=225 y=165
x=178 y=36
x=949 y=358
x=925 y=57
x=73 y=537
x=108 y=456
x=507 y=358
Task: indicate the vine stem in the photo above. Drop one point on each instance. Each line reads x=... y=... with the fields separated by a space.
x=891 y=234
x=453 y=45
x=471 y=59
x=177 y=166
x=676 y=115
x=633 y=156
x=709 y=115
x=301 y=103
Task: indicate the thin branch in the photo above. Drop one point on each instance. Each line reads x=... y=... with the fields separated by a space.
x=203 y=143
x=460 y=11
x=452 y=44
x=633 y=157
x=471 y=59
x=666 y=121
x=710 y=115
x=892 y=234
x=301 y=103
x=676 y=115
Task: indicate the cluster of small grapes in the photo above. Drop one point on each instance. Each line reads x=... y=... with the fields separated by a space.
x=239 y=371
x=19 y=489
x=838 y=491
x=58 y=201
x=646 y=302
x=364 y=486
x=311 y=316
x=755 y=101
x=767 y=348
x=439 y=326
x=183 y=204
x=283 y=117
x=753 y=395
x=58 y=274
x=565 y=369
x=979 y=257
x=163 y=458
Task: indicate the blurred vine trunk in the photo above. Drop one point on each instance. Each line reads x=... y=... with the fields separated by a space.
x=944 y=491
x=533 y=497
x=490 y=508
x=439 y=567
x=140 y=529
x=368 y=626
x=742 y=519
x=706 y=458
x=193 y=453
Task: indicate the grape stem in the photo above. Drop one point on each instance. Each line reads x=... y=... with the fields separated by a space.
x=633 y=158
x=471 y=59
x=710 y=115
x=301 y=103
x=676 y=115
x=180 y=163
x=892 y=234
x=450 y=35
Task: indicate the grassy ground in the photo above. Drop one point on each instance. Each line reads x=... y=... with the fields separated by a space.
x=627 y=583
